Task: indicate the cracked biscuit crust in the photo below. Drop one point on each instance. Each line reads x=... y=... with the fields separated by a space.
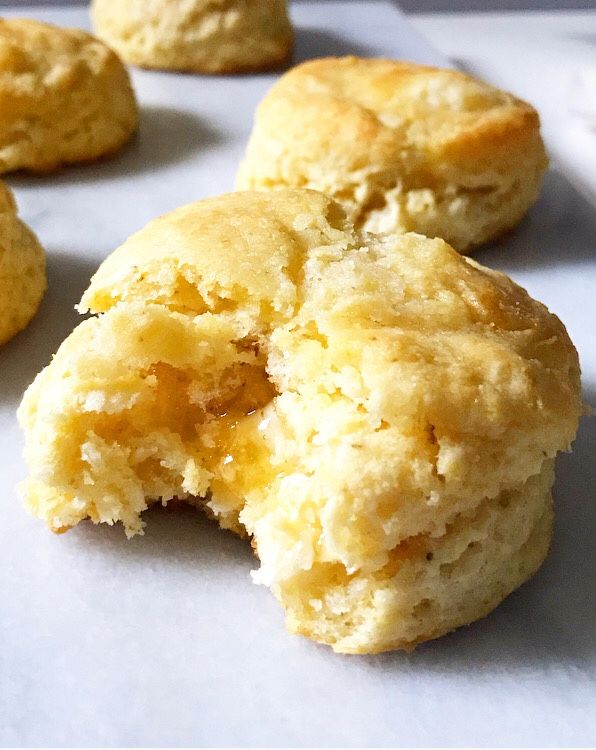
x=200 y=36
x=377 y=412
x=22 y=269
x=65 y=97
x=401 y=146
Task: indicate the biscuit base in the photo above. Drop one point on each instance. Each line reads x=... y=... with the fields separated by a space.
x=58 y=166
x=272 y=65
x=431 y=586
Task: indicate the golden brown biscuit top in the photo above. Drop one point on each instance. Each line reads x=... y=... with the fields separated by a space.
x=36 y=56
x=243 y=247
x=401 y=102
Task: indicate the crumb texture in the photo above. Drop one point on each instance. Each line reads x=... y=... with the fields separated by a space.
x=378 y=413
x=65 y=97
x=22 y=269
x=402 y=147
x=200 y=36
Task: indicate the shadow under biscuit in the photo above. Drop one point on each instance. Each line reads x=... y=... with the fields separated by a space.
x=177 y=535
x=30 y=350
x=311 y=43
x=165 y=137
x=589 y=394
x=542 y=239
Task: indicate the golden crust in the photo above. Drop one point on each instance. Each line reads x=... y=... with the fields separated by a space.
x=22 y=269
x=355 y=403
x=401 y=146
x=201 y=36
x=64 y=97
x=220 y=255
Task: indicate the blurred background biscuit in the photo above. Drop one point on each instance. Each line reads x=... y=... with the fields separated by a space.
x=22 y=269
x=401 y=147
x=200 y=36
x=65 y=97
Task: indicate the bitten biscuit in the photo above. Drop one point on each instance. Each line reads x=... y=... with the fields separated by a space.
x=64 y=97
x=22 y=269
x=200 y=36
x=402 y=147
x=380 y=414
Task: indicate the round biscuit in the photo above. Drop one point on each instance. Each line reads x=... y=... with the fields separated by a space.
x=199 y=36
x=65 y=97
x=402 y=147
x=379 y=413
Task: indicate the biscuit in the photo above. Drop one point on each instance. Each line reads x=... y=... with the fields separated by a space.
x=199 y=36
x=22 y=269
x=378 y=413
x=65 y=97
x=401 y=146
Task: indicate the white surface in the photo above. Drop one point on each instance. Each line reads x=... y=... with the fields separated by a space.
x=164 y=640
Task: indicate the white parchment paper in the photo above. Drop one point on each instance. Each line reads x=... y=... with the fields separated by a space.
x=164 y=640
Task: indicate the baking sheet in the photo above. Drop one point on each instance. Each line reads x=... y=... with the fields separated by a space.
x=164 y=640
